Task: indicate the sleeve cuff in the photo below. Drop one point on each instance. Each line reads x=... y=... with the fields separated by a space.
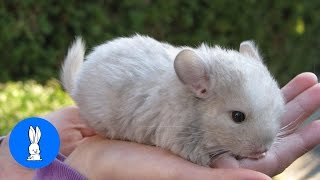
x=58 y=170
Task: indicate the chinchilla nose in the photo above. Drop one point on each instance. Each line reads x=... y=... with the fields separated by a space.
x=266 y=139
x=263 y=144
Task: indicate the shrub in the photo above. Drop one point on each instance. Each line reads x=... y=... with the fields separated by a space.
x=19 y=100
x=34 y=35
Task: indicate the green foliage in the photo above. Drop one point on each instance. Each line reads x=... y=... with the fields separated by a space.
x=34 y=35
x=20 y=100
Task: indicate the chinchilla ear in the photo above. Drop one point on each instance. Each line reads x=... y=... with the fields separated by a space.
x=249 y=48
x=31 y=134
x=192 y=72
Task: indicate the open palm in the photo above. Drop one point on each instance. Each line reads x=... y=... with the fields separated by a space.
x=302 y=97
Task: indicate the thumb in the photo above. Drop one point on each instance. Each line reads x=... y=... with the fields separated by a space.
x=87 y=131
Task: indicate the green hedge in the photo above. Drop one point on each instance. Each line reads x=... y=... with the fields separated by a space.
x=34 y=35
x=19 y=100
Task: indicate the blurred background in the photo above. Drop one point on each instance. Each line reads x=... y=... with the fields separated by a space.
x=35 y=35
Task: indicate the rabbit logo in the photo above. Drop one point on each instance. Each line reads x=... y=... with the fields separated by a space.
x=34 y=143
x=34 y=148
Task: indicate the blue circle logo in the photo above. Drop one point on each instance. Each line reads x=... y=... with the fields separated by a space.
x=34 y=143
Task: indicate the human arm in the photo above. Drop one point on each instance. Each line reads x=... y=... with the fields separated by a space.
x=111 y=159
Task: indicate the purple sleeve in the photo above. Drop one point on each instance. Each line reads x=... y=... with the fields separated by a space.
x=58 y=170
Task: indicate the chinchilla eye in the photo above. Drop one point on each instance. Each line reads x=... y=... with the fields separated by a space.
x=238 y=116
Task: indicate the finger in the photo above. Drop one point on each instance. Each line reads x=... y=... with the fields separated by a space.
x=288 y=151
x=210 y=174
x=302 y=106
x=310 y=136
x=145 y=162
x=298 y=84
x=297 y=144
x=225 y=161
x=70 y=115
x=87 y=132
x=78 y=123
x=268 y=165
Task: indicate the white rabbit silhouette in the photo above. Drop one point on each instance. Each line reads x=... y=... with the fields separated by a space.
x=34 y=149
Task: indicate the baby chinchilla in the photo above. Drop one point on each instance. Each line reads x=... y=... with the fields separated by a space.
x=196 y=102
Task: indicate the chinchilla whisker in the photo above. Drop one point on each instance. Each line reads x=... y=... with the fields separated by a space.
x=213 y=153
x=288 y=130
x=286 y=133
x=291 y=127
x=293 y=123
x=217 y=154
x=277 y=142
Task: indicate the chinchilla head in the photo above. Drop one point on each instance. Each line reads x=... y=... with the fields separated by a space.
x=239 y=103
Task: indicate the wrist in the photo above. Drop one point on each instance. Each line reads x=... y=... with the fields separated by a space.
x=11 y=169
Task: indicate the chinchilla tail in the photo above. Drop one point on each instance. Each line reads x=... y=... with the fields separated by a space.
x=72 y=64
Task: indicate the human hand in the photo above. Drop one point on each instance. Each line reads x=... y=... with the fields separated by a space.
x=302 y=97
x=71 y=129
x=111 y=159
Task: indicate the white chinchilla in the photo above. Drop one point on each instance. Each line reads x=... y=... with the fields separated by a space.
x=197 y=102
x=34 y=149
